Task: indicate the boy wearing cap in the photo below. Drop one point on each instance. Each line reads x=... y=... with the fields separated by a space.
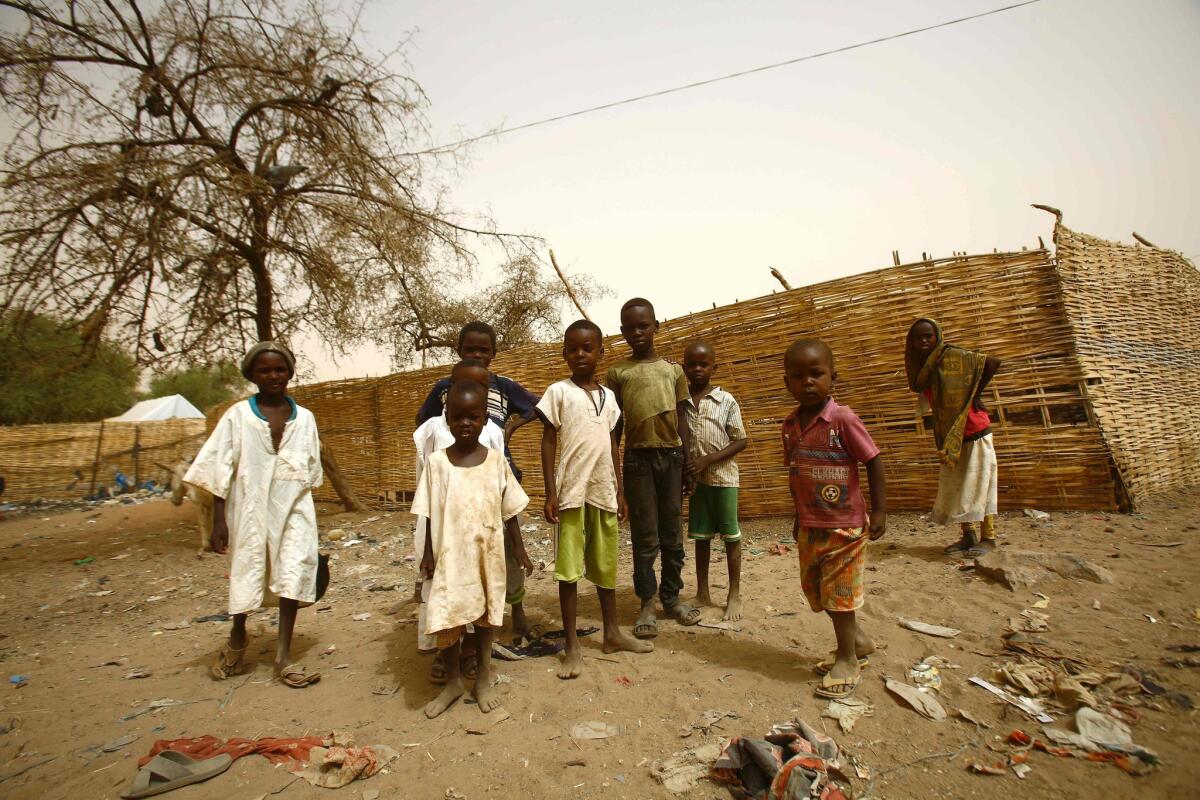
x=261 y=464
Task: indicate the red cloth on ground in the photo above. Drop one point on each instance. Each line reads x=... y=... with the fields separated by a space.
x=275 y=750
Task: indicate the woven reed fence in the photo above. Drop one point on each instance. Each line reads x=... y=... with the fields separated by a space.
x=1133 y=311
x=66 y=462
x=1011 y=305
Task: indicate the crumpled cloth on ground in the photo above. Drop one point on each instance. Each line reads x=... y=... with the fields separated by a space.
x=320 y=760
x=794 y=761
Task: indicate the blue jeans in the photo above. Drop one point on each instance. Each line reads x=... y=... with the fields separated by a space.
x=653 y=478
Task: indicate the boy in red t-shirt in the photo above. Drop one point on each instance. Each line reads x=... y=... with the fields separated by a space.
x=823 y=444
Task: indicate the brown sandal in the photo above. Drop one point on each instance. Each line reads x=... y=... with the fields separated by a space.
x=294 y=675
x=228 y=661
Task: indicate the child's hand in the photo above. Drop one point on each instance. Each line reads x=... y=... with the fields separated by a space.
x=219 y=539
x=695 y=466
x=622 y=508
x=523 y=560
x=689 y=485
x=428 y=564
x=878 y=525
x=550 y=510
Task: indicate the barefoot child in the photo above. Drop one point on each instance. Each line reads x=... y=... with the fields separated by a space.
x=471 y=499
x=584 y=496
x=823 y=444
x=433 y=435
x=510 y=406
x=261 y=464
x=952 y=381
x=653 y=397
x=716 y=436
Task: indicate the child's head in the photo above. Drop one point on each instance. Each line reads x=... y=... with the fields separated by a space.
x=808 y=372
x=923 y=337
x=477 y=340
x=466 y=411
x=470 y=369
x=583 y=344
x=699 y=364
x=269 y=366
x=638 y=326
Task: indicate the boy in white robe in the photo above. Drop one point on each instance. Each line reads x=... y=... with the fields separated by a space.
x=261 y=464
x=433 y=435
x=471 y=499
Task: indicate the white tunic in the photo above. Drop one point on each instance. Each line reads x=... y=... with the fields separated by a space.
x=584 y=421
x=467 y=507
x=268 y=503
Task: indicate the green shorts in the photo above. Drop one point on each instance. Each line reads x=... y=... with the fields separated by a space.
x=587 y=546
x=713 y=510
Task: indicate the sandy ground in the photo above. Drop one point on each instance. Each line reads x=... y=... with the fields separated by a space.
x=62 y=621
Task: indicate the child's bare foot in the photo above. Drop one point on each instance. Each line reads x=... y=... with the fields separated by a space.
x=619 y=641
x=572 y=664
x=453 y=690
x=487 y=696
x=733 y=608
x=703 y=598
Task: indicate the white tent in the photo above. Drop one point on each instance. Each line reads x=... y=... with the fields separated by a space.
x=174 y=407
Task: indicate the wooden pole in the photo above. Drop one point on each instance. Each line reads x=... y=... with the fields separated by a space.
x=340 y=485
x=96 y=459
x=1143 y=240
x=570 y=291
x=779 y=277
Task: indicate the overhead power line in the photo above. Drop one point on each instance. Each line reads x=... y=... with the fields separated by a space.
x=709 y=81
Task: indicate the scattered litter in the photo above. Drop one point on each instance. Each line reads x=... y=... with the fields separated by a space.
x=921 y=702
x=18 y=680
x=1021 y=770
x=779 y=549
x=1043 y=602
x=720 y=626
x=121 y=743
x=1034 y=514
x=969 y=717
x=1032 y=622
x=1030 y=707
x=101 y=593
x=212 y=618
x=1072 y=694
x=1096 y=604
x=1159 y=544
x=683 y=770
x=594 y=730
x=794 y=759
x=81 y=562
x=847 y=711
x=988 y=769
x=488 y=722
x=925 y=676
x=138 y=672
x=532 y=527
x=336 y=535
x=708 y=720
x=623 y=681
x=177 y=626
x=154 y=598
x=1153 y=621
x=384 y=587
x=930 y=630
x=363 y=617
x=370 y=794
x=118 y=558
x=155 y=705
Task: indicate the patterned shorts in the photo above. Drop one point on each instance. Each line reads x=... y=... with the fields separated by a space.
x=831 y=567
x=451 y=636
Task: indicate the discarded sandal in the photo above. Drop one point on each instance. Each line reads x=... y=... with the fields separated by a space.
x=228 y=661
x=295 y=676
x=171 y=770
x=837 y=688
x=823 y=666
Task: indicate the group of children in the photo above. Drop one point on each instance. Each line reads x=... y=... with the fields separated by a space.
x=682 y=435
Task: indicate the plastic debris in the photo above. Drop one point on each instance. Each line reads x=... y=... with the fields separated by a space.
x=594 y=730
x=121 y=743
x=18 y=680
x=1021 y=770
x=969 y=717
x=138 y=672
x=921 y=702
x=1034 y=514
x=929 y=630
x=363 y=617
x=681 y=772
x=708 y=720
x=988 y=769
x=177 y=626
x=1030 y=707
x=82 y=561
x=925 y=676
x=1042 y=602
x=847 y=711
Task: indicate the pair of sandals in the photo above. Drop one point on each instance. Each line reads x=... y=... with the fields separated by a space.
x=230 y=661
x=649 y=630
x=832 y=688
x=966 y=548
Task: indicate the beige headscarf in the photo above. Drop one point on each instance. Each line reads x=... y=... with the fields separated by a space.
x=267 y=347
x=951 y=375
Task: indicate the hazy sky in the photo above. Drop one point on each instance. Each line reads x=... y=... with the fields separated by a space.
x=937 y=142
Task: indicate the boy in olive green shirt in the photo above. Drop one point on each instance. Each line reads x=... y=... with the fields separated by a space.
x=653 y=395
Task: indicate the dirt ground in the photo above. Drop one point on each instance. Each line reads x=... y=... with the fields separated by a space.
x=62 y=621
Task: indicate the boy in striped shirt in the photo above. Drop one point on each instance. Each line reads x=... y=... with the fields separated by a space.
x=715 y=421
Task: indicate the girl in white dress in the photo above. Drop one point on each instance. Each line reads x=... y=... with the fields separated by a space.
x=261 y=464
x=471 y=499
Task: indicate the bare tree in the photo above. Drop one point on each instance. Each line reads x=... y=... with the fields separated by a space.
x=524 y=306
x=213 y=173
